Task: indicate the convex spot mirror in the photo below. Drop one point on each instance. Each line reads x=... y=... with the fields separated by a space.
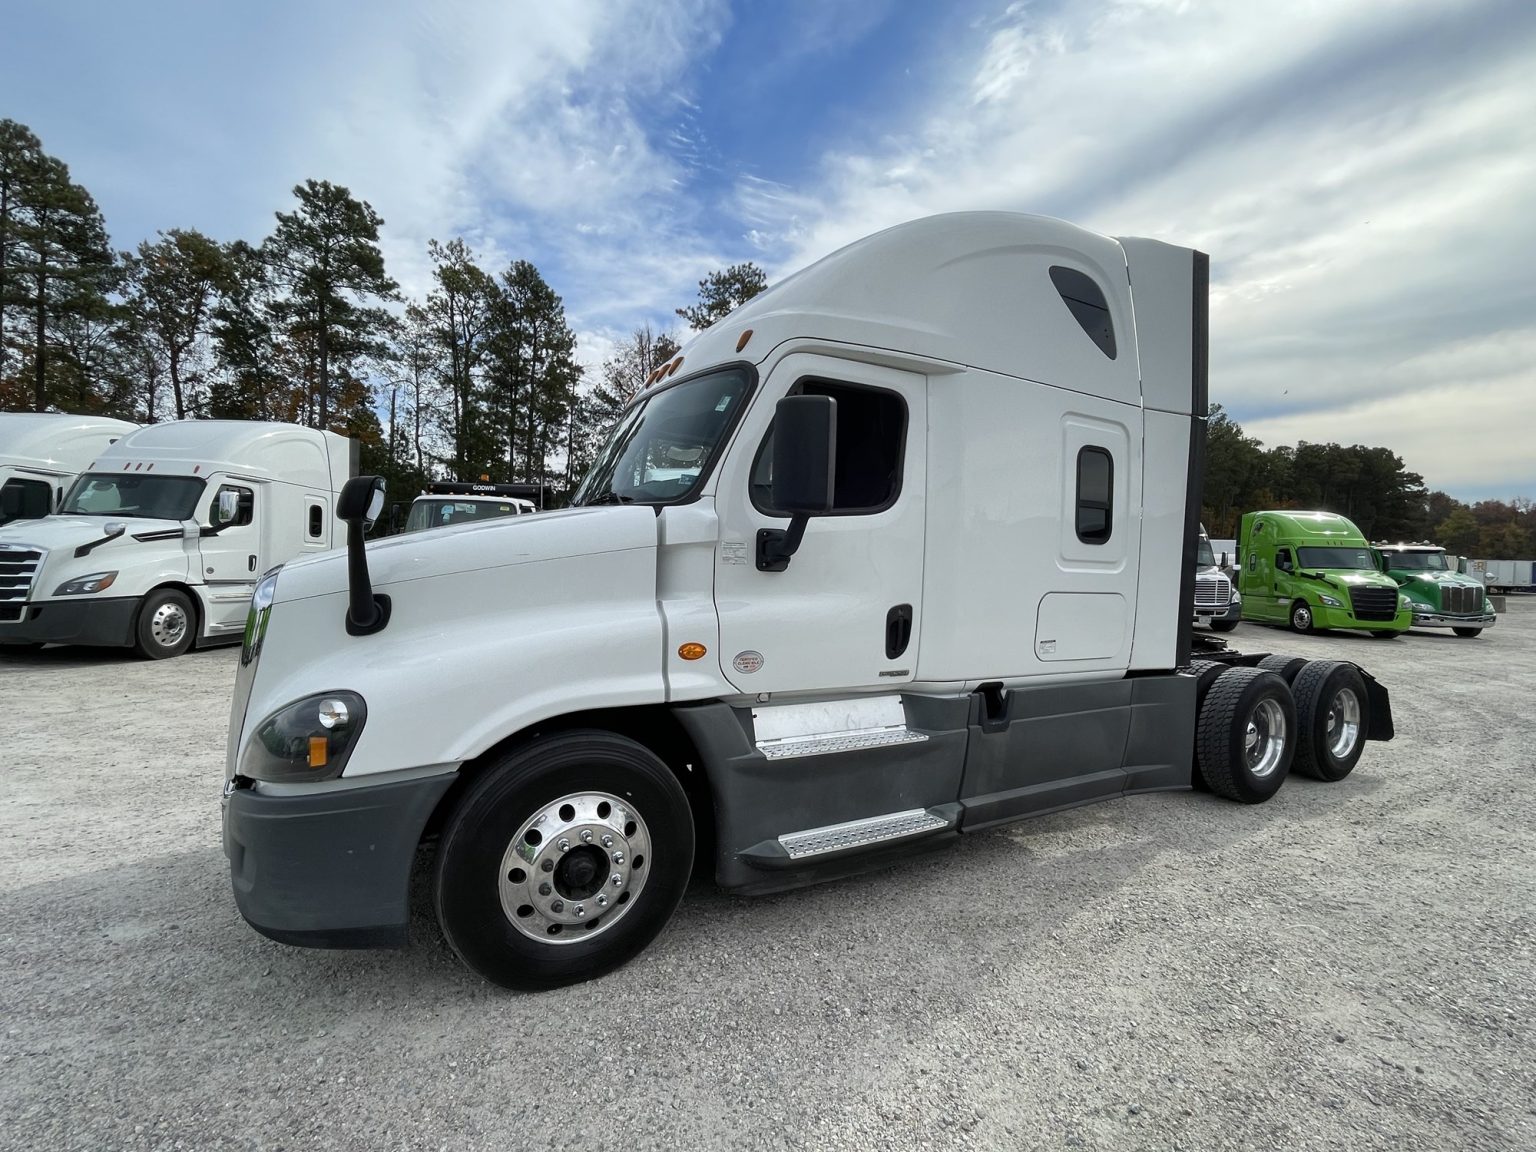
x=362 y=498
x=804 y=455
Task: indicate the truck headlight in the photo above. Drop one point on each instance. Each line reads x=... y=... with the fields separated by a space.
x=1330 y=601
x=256 y=618
x=85 y=585
x=1237 y=597
x=309 y=739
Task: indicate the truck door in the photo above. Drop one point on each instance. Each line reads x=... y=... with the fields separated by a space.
x=847 y=612
x=230 y=557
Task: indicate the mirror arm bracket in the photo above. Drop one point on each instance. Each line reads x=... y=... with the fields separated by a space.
x=776 y=545
x=367 y=610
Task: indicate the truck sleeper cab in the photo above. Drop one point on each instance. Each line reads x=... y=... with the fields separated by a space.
x=1313 y=571
x=902 y=549
x=1437 y=594
x=163 y=536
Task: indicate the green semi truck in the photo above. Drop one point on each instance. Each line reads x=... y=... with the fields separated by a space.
x=1439 y=596
x=1315 y=570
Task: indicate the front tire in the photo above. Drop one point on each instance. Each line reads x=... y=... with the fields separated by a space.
x=1333 y=711
x=564 y=861
x=1245 y=740
x=166 y=625
x=1467 y=633
x=1301 y=618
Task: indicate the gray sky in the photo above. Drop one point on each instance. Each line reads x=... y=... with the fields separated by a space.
x=1361 y=173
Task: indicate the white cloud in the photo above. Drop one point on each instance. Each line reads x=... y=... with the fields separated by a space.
x=1360 y=175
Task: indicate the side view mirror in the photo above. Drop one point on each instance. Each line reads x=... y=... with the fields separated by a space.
x=394 y=518
x=804 y=474
x=359 y=505
x=229 y=506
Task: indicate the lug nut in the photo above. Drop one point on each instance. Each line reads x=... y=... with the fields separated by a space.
x=618 y=881
x=607 y=841
x=557 y=906
x=545 y=889
x=581 y=910
x=564 y=845
x=586 y=836
x=548 y=865
x=602 y=900
x=618 y=857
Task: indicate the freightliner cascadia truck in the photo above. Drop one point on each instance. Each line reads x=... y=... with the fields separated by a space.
x=162 y=537
x=40 y=455
x=930 y=569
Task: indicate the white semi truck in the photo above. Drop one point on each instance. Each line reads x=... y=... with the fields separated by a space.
x=1217 y=603
x=448 y=502
x=931 y=571
x=42 y=452
x=162 y=537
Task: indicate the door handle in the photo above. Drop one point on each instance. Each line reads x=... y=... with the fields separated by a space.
x=251 y=566
x=898 y=630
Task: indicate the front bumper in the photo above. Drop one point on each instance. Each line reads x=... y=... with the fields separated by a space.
x=1325 y=617
x=328 y=869
x=77 y=620
x=1435 y=620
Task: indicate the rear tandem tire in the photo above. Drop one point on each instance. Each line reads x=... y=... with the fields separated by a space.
x=508 y=892
x=1245 y=734
x=1333 y=714
x=1285 y=667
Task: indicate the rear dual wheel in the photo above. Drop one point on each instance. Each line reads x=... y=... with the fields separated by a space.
x=1245 y=739
x=563 y=861
x=1334 y=714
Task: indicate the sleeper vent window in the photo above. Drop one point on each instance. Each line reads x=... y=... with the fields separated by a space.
x=1085 y=301
x=316 y=521
x=1095 y=495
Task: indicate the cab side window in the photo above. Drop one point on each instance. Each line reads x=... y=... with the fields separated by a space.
x=1095 y=495
x=25 y=500
x=1283 y=560
x=245 y=507
x=871 y=443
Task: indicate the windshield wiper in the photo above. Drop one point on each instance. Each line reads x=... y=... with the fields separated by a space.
x=609 y=498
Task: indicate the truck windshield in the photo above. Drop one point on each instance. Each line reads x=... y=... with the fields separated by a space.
x=1335 y=558
x=435 y=513
x=1206 y=558
x=137 y=495
x=1418 y=561
x=663 y=444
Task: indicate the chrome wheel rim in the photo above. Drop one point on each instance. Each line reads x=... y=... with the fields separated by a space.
x=574 y=868
x=168 y=625
x=1343 y=724
x=1303 y=618
x=1264 y=741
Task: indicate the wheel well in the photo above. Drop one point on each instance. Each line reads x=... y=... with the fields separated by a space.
x=653 y=726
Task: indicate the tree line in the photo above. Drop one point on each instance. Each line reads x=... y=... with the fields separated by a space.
x=477 y=378
x=1368 y=485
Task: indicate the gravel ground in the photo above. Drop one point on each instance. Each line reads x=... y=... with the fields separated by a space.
x=1349 y=966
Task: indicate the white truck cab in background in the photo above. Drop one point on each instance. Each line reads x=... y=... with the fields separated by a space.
x=903 y=548
x=162 y=537
x=1218 y=604
x=448 y=502
x=40 y=455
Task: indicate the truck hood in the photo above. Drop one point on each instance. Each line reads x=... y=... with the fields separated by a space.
x=1348 y=578
x=1443 y=579
x=501 y=543
x=57 y=533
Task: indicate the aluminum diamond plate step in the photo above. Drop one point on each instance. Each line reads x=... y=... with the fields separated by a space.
x=821 y=745
x=857 y=833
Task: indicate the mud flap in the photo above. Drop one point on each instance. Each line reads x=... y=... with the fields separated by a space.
x=1381 y=708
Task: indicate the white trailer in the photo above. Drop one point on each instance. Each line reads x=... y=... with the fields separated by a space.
x=161 y=539
x=42 y=452
x=931 y=570
x=1504 y=575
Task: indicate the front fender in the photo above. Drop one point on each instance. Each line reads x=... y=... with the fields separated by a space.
x=470 y=658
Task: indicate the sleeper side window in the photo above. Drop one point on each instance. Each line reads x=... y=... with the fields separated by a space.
x=1095 y=495
x=871 y=443
x=316 y=521
x=1085 y=300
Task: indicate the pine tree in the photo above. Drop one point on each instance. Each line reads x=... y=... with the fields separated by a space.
x=21 y=155
x=244 y=338
x=460 y=316
x=172 y=286
x=533 y=374
x=326 y=254
x=721 y=293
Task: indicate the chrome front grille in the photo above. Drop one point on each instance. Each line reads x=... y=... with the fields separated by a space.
x=1461 y=600
x=1373 y=603
x=1213 y=592
x=19 y=566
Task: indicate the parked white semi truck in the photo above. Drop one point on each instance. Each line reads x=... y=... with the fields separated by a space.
x=164 y=535
x=931 y=570
x=1217 y=603
x=42 y=452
